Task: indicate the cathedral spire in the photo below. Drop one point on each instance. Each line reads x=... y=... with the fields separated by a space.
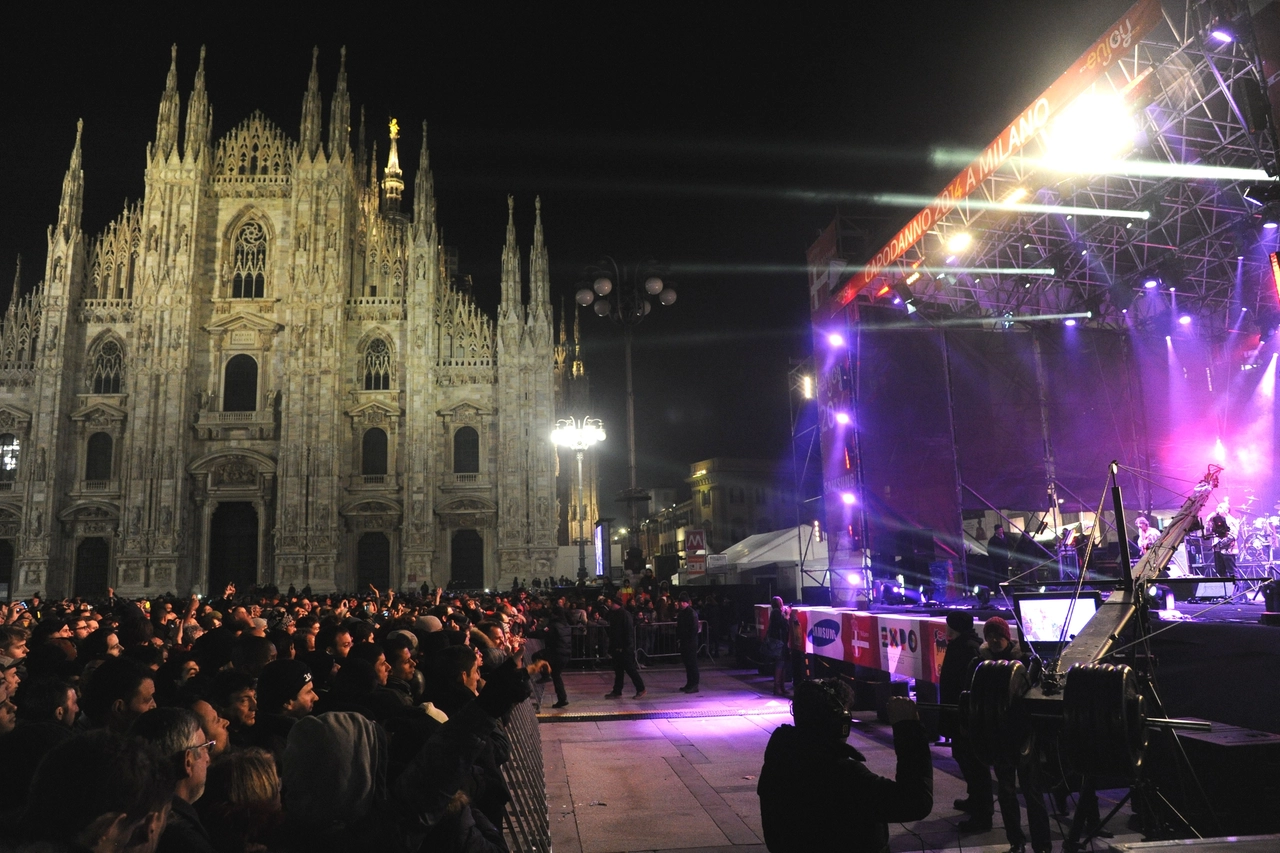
x=72 y=203
x=17 y=283
x=564 y=324
x=309 y=138
x=360 y=149
x=199 y=117
x=167 y=121
x=393 y=178
x=579 y=369
x=373 y=168
x=539 y=266
x=424 y=195
x=340 y=112
x=510 y=264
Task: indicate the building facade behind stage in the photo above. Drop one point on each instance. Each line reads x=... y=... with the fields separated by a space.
x=264 y=372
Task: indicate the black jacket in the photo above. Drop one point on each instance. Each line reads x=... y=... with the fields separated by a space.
x=622 y=630
x=814 y=797
x=184 y=833
x=558 y=637
x=954 y=678
x=687 y=628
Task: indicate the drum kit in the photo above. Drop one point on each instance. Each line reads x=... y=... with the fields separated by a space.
x=1258 y=541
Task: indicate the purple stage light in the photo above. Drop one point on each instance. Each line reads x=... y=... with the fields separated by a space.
x=842 y=418
x=1150 y=283
x=1270 y=225
x=1222 y=36
x=1070 y=322
x=1185 y=319
x=848 y=498
x=835 y=339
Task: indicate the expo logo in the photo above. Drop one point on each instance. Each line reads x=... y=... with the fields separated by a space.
x=897 y=638
x=824 y=633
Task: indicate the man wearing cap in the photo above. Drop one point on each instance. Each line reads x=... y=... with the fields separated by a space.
x=963 y=643
x=687 y=639
x=285 y=695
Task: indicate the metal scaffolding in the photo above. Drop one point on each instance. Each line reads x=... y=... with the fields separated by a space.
x=1195 y=108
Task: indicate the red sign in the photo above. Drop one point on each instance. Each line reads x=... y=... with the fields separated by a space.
x=695 y=552
x=1136 y=23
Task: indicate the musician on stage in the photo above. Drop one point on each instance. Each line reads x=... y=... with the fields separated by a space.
x=1147 y=535
x=1225 y=529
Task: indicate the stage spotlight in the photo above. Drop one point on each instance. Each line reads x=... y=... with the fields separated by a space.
x=959 y=241
x=1262 y=194
x=1270 y=216
x=1070 y=321
x=905 y=296
x=1185 y=320
x=1151 y=283
x=835 y=339
x=849 y=498
x=1095 y=126
x=842 y=418
x=983 y=594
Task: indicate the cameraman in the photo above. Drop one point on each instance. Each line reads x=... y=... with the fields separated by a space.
x=815 y=790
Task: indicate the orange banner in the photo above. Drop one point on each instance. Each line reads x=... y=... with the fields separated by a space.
x=1136 y=23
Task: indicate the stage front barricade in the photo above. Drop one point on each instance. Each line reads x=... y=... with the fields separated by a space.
x=877 y=648
x=657 y=640
x=526 y=824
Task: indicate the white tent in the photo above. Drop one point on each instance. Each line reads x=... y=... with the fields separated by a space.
x=780 y=552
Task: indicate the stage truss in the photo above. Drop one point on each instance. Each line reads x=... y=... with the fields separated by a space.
x=1202 y=239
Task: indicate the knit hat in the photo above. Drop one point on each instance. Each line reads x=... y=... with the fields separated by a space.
x=998 y=627
x=409 y=636
x=280 y=682
x=960 y=621
x=428 y=623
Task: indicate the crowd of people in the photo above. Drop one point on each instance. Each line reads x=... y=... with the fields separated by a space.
x=281 y=721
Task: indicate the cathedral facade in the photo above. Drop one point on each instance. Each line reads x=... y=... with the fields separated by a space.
x=263 y=372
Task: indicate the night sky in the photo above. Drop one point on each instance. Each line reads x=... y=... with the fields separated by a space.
x=679 y=132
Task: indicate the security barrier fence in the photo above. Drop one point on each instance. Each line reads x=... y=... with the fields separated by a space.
x=526 y=825
x=654 y=641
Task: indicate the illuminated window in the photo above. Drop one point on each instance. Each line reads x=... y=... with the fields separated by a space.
x=108 y=369
x=249 y=276
x=98 y=457
x=377 y=366
x=8 y=457
x=706 y=498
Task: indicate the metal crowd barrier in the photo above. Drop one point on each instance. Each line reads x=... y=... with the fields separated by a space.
x=527 y=823
x=654 y=640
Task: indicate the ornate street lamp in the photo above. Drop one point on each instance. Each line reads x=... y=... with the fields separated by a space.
x=579 y=435
x=625 y=294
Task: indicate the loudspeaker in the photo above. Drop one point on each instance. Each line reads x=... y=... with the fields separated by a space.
x=1239 y=770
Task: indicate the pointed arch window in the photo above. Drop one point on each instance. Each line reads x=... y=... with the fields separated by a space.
x=107 y=375
x=377 y=366
x=249 y=275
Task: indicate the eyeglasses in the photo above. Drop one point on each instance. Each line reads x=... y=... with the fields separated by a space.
x=208 y=745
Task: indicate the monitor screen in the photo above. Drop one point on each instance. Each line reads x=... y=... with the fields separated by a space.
x=1043 y=615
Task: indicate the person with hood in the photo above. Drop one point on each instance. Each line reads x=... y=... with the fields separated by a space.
x=954 y=676
x=816 y=792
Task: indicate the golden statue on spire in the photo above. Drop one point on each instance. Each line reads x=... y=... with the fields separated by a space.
x=395 y=129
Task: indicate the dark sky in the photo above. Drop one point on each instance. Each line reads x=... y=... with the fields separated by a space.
x=654 y=130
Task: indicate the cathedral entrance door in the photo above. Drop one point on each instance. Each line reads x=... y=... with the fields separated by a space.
x=466 y=569
x=93 y=558
x=233 y=547
x=373 y=562
x=6 y=569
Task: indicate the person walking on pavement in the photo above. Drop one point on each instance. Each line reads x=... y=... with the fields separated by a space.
x=622 y=649
x=558 y=637
x=963 y=643
x=687 y=638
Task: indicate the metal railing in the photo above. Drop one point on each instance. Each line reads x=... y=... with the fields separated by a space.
x=527 y=822
x=654 y=641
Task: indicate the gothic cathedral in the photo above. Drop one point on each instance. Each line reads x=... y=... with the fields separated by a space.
x=263 y=372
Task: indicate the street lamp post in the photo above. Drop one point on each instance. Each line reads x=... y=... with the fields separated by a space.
x=625 y=294
x=579 y=435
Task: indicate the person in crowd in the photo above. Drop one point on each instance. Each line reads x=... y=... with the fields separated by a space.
x=234 y=696
x=999 y=551
x=285 y=695
x=117 y=693
x=403 y=677
x=557 y=636
x=687 y=640
x=178 y=735
x=811 y=775
x=241 y=806
x=963 y=643
x=622 y=649
x=776 y=635
x=98 y=791
x=1010 y=775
